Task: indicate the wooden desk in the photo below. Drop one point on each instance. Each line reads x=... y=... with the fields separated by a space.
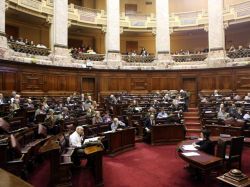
x=204 y=161
x=234 y=183
x=216 y=130
x=94 y=156
x=10 y=180
x=120 y=140
x=162 y=134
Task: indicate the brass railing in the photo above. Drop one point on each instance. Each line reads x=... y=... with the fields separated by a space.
x=189 y=58
x=87 y=56
x=29 y=49
x=243 y=53
x=138 y=58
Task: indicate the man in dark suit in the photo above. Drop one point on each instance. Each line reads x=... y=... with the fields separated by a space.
x=147 y=127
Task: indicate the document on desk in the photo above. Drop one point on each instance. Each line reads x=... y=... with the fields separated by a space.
x=189 y=147
x=106 y=132
x=91 y=140
x=191 y=154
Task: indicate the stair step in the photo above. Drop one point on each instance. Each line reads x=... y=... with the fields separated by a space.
x=193 y=110
x=193 y=123
x=191 y=117
x=191 y=114
x=193 y=130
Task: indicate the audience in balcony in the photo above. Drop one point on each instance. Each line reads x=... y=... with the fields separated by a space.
x=26 y=42
x=232 y=49
x=144 y=53
x=82 y=49
x=188 y=52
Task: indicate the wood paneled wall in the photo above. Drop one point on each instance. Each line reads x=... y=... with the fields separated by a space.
x=32 y=79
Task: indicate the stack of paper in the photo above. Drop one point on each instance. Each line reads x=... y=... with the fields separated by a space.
x=106 y=132
x=91 y=140
x=189 y=147
x=191 y=154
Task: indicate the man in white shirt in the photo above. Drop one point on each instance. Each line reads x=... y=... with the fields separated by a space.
x=246 y=116
x=162 y=114
x=76 y=138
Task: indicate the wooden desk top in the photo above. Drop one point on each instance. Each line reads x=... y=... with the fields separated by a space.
x=204 y=161
x=234 y=183
x=10 y=180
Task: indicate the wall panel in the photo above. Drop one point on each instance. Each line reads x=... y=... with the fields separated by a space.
x=32 y=79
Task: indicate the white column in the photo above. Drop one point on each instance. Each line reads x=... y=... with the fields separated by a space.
x=216 y=32
x=162 y=31
x=59 y=32
x=3 y=39
x=113 y=32
x=60 y=23
x=2 y=16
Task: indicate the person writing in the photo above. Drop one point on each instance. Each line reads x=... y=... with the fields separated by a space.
x=206 y=144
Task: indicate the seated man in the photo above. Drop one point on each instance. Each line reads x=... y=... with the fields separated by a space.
x=149 y=123
x=117 y=124
x=206 y=144
x=162 y=114
x=75 y=140
x=246 y=116
x=222 y=115
x=247 y=97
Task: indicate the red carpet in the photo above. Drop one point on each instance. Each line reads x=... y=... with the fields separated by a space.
x=146 y=166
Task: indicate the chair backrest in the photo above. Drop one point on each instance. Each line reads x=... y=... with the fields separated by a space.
x=221 y=149
x=236 y=146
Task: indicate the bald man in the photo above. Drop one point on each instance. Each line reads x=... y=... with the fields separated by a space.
x=117 y=124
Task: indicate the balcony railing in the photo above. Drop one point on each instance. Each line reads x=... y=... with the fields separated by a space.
x=87 y=56
x=29 y=49
x=138 y=16
x=138 y=58
x=242 y=53
x=189 y=58
x=87 y=14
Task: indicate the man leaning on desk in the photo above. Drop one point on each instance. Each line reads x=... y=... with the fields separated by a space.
x=117 y=124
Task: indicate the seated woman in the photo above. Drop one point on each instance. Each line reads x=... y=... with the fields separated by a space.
x=97 y=118
x=51 y=122
x=106 y=118
x=205 y=144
